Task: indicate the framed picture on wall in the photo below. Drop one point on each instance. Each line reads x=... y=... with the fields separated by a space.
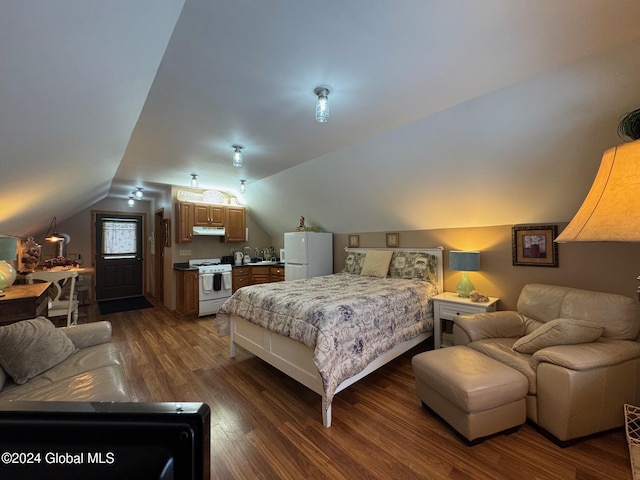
x=354 y=240
x=393 y=240
x=533 y=245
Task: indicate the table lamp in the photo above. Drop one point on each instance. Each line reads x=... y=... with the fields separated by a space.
x=468 y=261
x=8 y=251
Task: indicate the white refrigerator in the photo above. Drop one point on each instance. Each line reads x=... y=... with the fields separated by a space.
x=307 y=254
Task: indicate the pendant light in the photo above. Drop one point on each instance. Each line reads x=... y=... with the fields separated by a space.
x=322 y=104
x=237 y=155
x=138 y=193
x=194 y=180
x=243 y=186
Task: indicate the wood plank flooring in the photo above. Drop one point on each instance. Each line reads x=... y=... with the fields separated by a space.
x=267 y=426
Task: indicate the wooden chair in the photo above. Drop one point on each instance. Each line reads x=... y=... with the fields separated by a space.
x=64 y=302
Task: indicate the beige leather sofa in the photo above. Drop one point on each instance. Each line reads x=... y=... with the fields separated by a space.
x=579 y=350
x=93 y=371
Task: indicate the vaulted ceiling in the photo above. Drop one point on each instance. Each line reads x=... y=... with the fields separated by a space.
x=444 y=113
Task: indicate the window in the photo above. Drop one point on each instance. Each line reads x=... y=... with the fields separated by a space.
x=119 y=236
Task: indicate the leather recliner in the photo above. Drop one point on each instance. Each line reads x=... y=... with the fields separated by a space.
x=577 y=385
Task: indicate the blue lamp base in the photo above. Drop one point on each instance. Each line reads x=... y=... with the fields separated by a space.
x=464 y=286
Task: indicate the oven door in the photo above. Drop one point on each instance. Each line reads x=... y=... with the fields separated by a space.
x=212 y=287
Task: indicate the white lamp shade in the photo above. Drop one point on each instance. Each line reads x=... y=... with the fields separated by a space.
x=464 y=261
x=611 y=210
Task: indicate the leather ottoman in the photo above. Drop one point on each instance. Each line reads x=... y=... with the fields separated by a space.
x=476 y=395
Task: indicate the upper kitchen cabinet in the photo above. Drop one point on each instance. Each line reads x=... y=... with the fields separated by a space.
x=208 y=215
x=184 y=222
x=189 y=215
x=235 y=224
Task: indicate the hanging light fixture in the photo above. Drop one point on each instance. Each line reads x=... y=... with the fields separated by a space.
x=194 y=180
x=237 y=155
x=52 y=234
x=243 y=186
x=131 y=202
x=322 y=104
x=138 y=193
x=60 y=238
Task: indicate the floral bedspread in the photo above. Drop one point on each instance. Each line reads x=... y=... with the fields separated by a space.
x=347 y=319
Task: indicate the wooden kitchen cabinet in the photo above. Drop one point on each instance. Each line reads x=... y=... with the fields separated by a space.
x=184 y=222
x=187 y=295
x=260 y=275
x=232 y=218
x=240 y=277
x=208 y=215
x=276 y=274
x=235 y=224
x=256 y=274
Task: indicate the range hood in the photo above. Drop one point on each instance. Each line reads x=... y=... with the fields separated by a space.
x=211 y=231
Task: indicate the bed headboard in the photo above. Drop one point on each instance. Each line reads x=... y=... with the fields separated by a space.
x=435 y=252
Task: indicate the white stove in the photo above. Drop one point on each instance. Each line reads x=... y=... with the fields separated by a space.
x=210 y=265
x=214 y=284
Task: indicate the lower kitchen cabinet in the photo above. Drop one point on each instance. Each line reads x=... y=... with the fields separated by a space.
x=254 y=275
x=187 y=292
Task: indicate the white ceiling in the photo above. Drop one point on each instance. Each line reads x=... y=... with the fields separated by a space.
x=444 y=113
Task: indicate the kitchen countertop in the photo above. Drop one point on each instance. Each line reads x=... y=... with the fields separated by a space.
x=275 y=264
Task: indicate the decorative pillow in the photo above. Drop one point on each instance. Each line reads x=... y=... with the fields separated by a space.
x=31 y=347
x=562 y=331
x=413 y=265
x=376 y=263
x=353 y=262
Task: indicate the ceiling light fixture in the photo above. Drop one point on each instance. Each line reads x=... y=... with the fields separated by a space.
x=194 y=180
x=131 y=202
x=322 y=104
x=237 y=155
x=243 y=186
x=138 y=193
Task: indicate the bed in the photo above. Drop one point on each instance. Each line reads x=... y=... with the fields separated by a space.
x=329 y=332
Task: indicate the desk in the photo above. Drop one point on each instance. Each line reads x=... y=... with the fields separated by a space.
x=22 y=302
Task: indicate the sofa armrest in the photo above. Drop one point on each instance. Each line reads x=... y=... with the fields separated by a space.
x=88 y=334
x=585 y=356
x=478 y=326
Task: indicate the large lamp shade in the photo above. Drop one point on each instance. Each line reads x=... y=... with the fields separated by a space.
x=611 y=210
x=8 y=251
x=464 y=261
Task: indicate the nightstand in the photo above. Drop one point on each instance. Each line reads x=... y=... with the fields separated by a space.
x=449 y=305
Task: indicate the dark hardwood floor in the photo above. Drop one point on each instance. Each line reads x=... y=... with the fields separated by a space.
x=267 y=426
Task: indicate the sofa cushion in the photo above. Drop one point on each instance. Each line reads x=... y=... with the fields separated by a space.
x=500 y=349
x=104 y=384
x=376 y=263
x=561 y=331
x=30 y=347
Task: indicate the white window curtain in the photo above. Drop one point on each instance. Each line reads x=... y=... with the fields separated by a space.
x=119 y=237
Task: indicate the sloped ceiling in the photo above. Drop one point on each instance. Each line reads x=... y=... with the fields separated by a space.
x=443 y=113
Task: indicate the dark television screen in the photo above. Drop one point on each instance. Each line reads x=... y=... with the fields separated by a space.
x=104 y=440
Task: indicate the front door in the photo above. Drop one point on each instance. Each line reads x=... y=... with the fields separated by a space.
x=118 y=255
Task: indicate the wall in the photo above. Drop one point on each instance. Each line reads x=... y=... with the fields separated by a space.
x=607 y=267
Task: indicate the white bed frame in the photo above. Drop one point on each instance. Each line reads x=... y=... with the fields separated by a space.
x=296 y=359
